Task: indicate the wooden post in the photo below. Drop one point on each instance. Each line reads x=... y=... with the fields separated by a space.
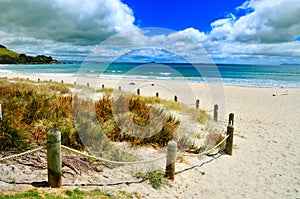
x=50 y=80
x=231 y=118
x=171 y=159
x=216 y=107
x=120 y=88
x=157 y=94
x=0 y=112
x=138 y=91
x=197 y=103
x=229 y=141
x=74 y=83
x=102 y=86
x=54 y=158
x=88 y=84
x=39 y=80
x=175 y=98
x=62 y=81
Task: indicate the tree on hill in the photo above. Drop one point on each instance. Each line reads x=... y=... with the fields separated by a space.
x=10 y=57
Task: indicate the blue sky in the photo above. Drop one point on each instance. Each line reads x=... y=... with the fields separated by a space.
x=228 y=31
x=179 y=14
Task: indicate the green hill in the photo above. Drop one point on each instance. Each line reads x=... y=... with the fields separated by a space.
x=10 y=57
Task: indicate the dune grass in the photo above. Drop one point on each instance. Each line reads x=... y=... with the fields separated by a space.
x=70 y=194
x=31 y=109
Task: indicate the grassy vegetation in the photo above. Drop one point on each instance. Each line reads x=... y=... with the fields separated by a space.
x=70 y=194
x=107 y=91
x=154 y=177
x=123 y=119
x=204 y=118
x=5 y=51
x=31 y=109
x=167 y=104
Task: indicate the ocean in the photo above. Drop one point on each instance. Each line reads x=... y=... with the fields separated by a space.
x=286 y=76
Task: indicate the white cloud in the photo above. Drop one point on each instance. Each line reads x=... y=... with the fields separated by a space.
x=266 y=31
x=153 y=44
x=269 y=22
x=194 y=34
x=78 y=22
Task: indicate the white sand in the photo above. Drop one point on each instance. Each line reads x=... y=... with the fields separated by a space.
x=266 y=156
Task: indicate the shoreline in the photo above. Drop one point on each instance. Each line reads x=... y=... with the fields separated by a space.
x=75 y=72
x=44 y=77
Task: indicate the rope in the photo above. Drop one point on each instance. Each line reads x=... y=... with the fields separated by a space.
x=21 y=154
x=207 y=151
x=111 y=161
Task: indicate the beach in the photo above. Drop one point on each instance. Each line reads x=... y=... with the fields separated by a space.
x=266 y=154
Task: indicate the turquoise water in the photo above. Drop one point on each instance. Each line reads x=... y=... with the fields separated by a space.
x=244 y=75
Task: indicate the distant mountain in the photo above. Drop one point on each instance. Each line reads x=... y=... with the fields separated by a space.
x=290 y=64
x=11 y=57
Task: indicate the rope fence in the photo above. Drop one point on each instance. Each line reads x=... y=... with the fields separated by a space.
x=22 y=154
x=111 y=161
x=207 y=151
x=54 y=161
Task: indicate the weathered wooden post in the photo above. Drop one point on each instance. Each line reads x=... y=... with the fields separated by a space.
x=216 y=107
x=157 y=94
x=39 y=80
x=74 y=83
x=197 y=103
x=88 y=84
x=138 y=91
x=120 y=88
x=102 y=86
x=62 y=81
x=175 y=98
x=231 y=118
x=229 y=141
x=171 y=159
x=54 y=158
x=50 y=80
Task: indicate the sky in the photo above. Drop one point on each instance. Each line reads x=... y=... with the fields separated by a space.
x=228 y=31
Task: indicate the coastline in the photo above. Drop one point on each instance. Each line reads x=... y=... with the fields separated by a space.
x=266 y=155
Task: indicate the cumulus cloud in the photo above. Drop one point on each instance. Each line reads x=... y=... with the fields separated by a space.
x=78 y=22
x=268 y=22
x=266 y=32
x=153 y=44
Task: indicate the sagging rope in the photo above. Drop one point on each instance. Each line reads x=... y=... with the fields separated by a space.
x=21 y=154
x=146 y=161
x=207 y=151
x=111 y=161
